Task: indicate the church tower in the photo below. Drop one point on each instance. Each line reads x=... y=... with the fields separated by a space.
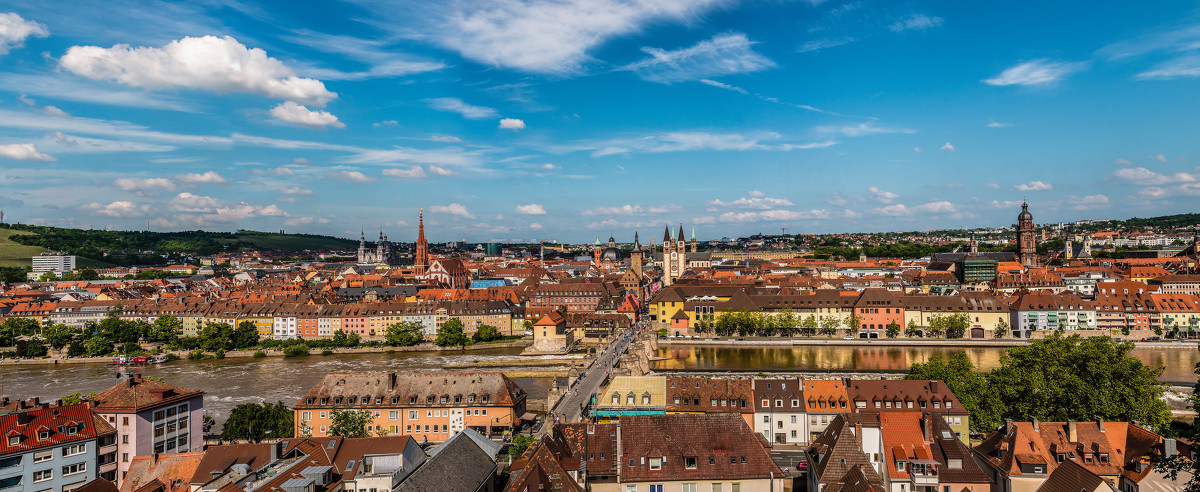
x=635 y=256
x=1026 y=244
x=421 y=256
x=693 y=239
x=596 y=251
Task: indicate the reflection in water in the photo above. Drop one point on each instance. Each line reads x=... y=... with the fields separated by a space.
x=1177 y=363
x=230 y=382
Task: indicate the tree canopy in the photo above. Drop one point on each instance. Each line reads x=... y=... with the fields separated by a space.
x=254 y=422
x=350 y=423
x=451 y=334
x=404 y=334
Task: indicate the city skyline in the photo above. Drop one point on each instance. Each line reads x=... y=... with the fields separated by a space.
x=549 y=119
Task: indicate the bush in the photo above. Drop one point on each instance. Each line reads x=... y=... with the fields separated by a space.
x=172 y=357
x=297 y=350
x=258 y=354
x=220 y=353
x=196 y=354
x=326 y=352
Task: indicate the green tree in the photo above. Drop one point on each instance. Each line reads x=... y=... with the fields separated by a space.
x=58 y=335
x=207 y=423
x=519 y=445
x=1002 y=329
x=787 y=323
x=726 y=324
x=77 y=397
x=893 y=329
x=98 y=345
x=829 y=325
x=254 y=422
x=339 y=339
x=809 y=325
x=216 y=336
x=662 y=332
x=956 y=325
x=971 y=387
x=404 y=334
x=296 y=350
x=350 y=423
x=937 y=326
x=165 y=328
x=1172 y=466
x=912 y=330
x=1060 y=378
x=853 y=323
x=245 y=336
x=486 y=333
x=451 y=334
x=88 y=274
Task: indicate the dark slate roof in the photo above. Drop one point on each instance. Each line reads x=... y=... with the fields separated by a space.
x=461 y=465
x=1071 y=477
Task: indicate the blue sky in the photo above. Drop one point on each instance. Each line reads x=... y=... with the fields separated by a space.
x=552 y=119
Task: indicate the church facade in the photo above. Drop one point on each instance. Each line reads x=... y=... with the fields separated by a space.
x=382 y=254
x=674 y=256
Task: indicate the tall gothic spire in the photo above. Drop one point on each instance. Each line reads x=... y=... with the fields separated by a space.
x=667 y=234
x=421 y=226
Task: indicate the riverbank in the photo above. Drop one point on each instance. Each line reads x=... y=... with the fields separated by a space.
x=233 y=354
x=887 y=342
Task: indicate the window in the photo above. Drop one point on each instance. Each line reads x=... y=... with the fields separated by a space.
x=655 y=463
x=656 y=488
x=630 y=488
x=125 y=456
x=41 y=456
x=716 y=487
x=766 y=419
x=735 y=487
x=74 y=468
x=689 y=462
x=412 y=415
x=74 y=450
x=689 y=487
x=778 y=403
x=323 y=414
x=793 y=433
x=43 y=435
x=306 y=416
x=124 y=420
x=10 y=482
x=42 y=475
x=795 y=403
x=900 y=465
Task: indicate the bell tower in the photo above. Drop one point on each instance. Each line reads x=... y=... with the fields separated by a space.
x=421 y=255
x=1026 y=243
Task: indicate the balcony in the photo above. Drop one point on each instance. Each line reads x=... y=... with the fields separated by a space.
x=925 y=479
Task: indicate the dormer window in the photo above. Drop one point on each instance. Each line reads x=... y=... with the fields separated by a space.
x=351 y=400
x=443 y=399
x=900 y=466
x=471 y=399
x=412 y=400
x=616 y=399
x=646 y=398
x=14 y=440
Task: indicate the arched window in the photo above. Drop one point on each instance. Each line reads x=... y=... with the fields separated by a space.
x=646 y=398
x=616 y=398
x=629 y=398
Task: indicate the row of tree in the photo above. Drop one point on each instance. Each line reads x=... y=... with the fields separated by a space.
x=787 y=323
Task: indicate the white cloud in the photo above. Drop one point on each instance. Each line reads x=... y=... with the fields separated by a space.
x=14 y=30
x=295 y=190
x=512 y=124
x=993 y=186
x=548 y=167
x=1143 y=176
x=916 y=150
x=997 y=204
x=916 y=21
x=54 y=111
x=441 y=171
x=412 y=172
x=724 y=54
x=997 y=124
x=283 y=171
x=947 y=148
x=352 y=176
x=1182 y=67
x=386 y=123
x=1036 y=72
x=882 y=196
x=723 y=86
x=298 y=221
x=621 y=210
x=24 y=152
x=840 y=200
x=1123 y=162
x=121 y=208
x=535 y=226
x=207 y=63
x=1160 y=158
x=456 y=105
x=1035 y=186
x=937 y=207
x=820 y=44
x=446 y=139
x=531 y=209
x=210 y=177
x=1088 y=202
x=861 y=129
x=188 y=202
x=685 y=141
x=896 y=210
x=546 y=36
x=299 y=114
x=60 y=142
x=148 y=184
x=452 y=209
x=850 y=214
x=760 y=202
x=773 y=215
x=756 y=193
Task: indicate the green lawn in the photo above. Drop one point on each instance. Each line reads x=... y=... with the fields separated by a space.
x=16 y=255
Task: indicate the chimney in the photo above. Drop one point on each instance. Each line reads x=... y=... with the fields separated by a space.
x=618 y=454
x=1169 y=448
x=4 y=402
x=24 y=418
x=1035 y=425
x=1100 y=423
x=927 y=426
x=1008 y=425
x=35 y=401
x=858 y=429
x=933 y=386
x=1072 y=431
x=276 y=449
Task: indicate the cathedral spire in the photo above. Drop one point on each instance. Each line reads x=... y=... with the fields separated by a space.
x=667 y=234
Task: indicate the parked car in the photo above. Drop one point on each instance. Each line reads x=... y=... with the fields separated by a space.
x=847 y=337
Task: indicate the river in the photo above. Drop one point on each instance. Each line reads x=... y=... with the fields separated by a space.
x=1177 y=362
x=229 y=382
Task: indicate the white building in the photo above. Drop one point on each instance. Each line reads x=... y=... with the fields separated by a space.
x=57 y=262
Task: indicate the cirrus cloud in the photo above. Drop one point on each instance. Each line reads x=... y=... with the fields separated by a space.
x=724 y=54
x=1035 y=72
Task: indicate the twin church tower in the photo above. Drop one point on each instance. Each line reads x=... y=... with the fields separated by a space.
x=384 y=254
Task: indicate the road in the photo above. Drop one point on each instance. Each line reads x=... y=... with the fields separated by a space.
x=570 y=407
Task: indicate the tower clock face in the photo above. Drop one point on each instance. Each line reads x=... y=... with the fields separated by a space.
x=673 y=255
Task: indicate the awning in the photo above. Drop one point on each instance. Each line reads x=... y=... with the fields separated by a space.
x=925 y=462
x=528 y=416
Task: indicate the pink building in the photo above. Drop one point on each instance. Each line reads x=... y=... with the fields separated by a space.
x=151 y=417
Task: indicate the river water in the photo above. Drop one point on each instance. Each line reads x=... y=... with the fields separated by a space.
x=233 y=381
x=1177 y=362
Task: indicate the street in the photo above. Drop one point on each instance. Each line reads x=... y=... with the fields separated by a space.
x=570 y=407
